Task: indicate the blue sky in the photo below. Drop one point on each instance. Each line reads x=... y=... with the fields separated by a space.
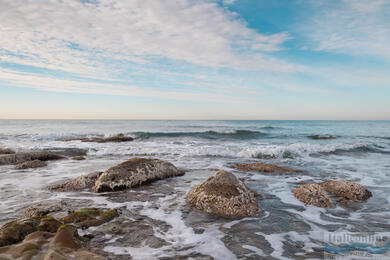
x=203 y=59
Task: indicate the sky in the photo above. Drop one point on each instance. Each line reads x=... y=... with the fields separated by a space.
x=195 y=59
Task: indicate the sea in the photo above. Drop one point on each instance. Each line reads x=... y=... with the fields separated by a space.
x=357 y=151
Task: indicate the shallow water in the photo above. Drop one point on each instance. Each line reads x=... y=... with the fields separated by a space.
x=358 y=151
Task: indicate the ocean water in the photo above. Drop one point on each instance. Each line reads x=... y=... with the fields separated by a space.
x=357 y=151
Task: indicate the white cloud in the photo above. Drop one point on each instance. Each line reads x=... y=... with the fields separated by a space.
x=355 y=27
x=88 y=38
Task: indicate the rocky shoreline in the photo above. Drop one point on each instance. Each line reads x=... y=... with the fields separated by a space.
x=54 y=230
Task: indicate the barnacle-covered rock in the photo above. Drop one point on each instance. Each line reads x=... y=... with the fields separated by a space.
x=133 y=173
x=313 y=194
x=224 y=194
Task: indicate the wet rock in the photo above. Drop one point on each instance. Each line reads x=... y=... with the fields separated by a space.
x=43 y=209
x=30 y=164
x=113 y=139
x=223 y=194
x=27 y=156
x=78 y=158
x=263 y=167
x=6 y=151
x=15 y=231
x=348 y=190
x=321 y=137
x=88 y=217
x=63 y=245
x=313 y=194
x=135 y=172
x=80 y=183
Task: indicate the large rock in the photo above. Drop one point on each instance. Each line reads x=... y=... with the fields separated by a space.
x=326 y=194
x=313 y=194
x=133 y=173
x=114 y=139
x=263 y=167
x=30 y=164
x=63 y=245
x=223 y=194
x=27 y=156
x=348 y=190
x=6 y=151
x=83 y=182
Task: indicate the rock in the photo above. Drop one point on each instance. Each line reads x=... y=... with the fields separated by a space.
x=313 y=194
x=135 y=172
x=114 y=139
x=88 y=217
x=223 y=194
x=317 y=194
x=348 y=190
x=63 y=245
x=27 y=156
x=30 y=164
x=321 y=137
x=263 y=167
x=43 y=209
x=15 y=231
x=6 y=151
x=80 y=183
x=78 y=158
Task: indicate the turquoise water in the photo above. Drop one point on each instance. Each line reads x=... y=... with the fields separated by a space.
x=357 y=151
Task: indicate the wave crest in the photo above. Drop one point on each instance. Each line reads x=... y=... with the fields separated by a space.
x=236 y=134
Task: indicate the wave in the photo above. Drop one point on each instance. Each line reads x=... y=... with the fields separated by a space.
x=305 y=149
x=322 y=137
x=237 y=134
x=271 y=127
x=238 y=150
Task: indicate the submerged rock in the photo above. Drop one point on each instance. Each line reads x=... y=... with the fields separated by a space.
x=263 y=167
x=6 y=151
x=30 y=164
x=313 y=194
x=319 y=194
x=114 y=139
x=64 y=245
x=88 y=217
x=43 y=209
x=27 y=156
x=347 y=190
x=135 y=172
x=80 y=183
x=223 y=194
